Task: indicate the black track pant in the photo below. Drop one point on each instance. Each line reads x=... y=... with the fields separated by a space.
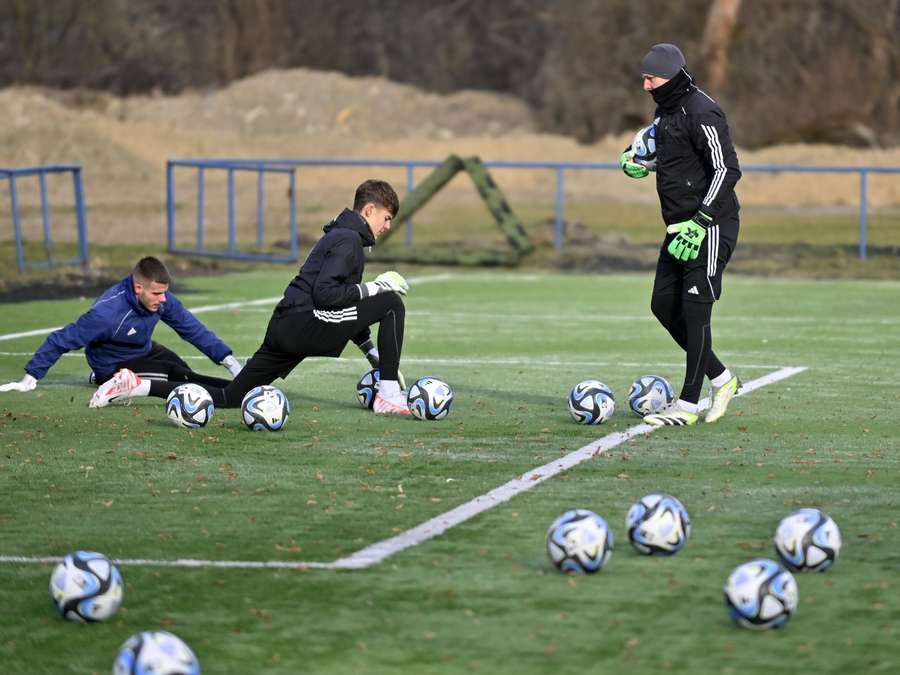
x=165 y=370
x=291 y=337
x=682 y=301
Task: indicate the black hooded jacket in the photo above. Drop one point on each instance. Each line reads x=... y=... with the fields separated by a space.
x=696 y=165
x=330 y=277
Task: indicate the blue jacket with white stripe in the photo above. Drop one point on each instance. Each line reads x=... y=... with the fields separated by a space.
x=696 y=165
x=118 y=328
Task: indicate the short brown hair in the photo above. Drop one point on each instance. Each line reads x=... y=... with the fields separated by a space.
x=151 y=269
x=377 y=192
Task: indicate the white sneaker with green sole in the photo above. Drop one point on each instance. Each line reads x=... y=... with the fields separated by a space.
x=672 y=417
x=720 y=397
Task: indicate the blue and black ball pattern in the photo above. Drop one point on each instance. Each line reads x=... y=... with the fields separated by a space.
x=190 y=406
x=265 y=408
x=579 y=542
x=430 y=399
x=761 y=594
x=367 y=387
x=591 y=402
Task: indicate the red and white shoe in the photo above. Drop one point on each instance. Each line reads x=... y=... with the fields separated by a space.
x=390 y=405
x=116 y=389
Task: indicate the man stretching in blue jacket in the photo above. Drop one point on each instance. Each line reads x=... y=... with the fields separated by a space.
x=116 y=335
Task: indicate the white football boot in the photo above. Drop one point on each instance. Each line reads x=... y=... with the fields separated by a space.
x=391 y=405
x=116 y=389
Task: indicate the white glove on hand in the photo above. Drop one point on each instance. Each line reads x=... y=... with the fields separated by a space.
x=27 y=383
x=372 y=357
x=233 y=365
x=388 y=281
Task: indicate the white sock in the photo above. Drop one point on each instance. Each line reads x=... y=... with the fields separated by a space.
x=143 y=389
x=720 y=380
x=681 y=404
x=389 y=388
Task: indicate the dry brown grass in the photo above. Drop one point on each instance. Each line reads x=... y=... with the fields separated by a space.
x=123 y=145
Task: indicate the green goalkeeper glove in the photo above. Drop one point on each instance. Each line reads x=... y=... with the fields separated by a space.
x=691 y=233
x=632 y=169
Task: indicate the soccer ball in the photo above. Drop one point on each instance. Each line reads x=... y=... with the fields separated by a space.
x=650 y=394
x=808 y=541
x=265 y=408
x=86 y=587
x=761 y=594
x=644 y=146
x=429 y=399
x=591 y=402
x=658 y=524
x=190 y=406
x=579 y=541
x=367 y=387
x=156 y=652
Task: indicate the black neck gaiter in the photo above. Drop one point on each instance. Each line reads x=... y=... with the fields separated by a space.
x=668 y=95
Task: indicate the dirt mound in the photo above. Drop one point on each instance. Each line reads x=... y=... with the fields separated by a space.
x=314 y=103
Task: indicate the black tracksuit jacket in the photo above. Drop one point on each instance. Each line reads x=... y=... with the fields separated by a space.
x=330 y=277
x=696 y=165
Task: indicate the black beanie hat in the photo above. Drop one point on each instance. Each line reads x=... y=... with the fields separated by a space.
x=663 y=60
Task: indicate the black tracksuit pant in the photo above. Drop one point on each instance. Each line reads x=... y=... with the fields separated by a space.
x=683 y=297
x=164 y=367
x=291 y=336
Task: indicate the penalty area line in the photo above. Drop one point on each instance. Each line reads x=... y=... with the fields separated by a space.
x=379 y=551
x=228 y=305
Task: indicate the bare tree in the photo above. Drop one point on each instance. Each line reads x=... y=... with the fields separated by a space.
x=720 y=22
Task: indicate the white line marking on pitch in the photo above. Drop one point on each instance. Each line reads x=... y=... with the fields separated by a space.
x=379 y=551
x=228 y=305
x=532 y=361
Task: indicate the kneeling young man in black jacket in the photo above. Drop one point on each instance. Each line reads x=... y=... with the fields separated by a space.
x=327 y=304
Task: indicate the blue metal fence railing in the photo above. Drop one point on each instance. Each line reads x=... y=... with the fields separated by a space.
x=13 y=176
x=559 y=168
x=261 y=168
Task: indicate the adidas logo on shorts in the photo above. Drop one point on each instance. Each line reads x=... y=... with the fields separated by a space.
x=693 y=291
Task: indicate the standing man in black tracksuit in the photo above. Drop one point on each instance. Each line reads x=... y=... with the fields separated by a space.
x=327 y=304
x=696 y=171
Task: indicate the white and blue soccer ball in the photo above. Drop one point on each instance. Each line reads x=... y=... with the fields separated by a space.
x=761 y=594
x=808 y=541
x=86 y=587
x=189 y=405
x=591 y=402
x=367 y=387
x=658 y=524
x=579 y=542
x=265 y=408
x=650 y=394
x=644 y=146
x=155 y=653
x=429 y=399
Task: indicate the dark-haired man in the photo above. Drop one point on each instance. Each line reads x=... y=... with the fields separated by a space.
x=327 y=304
x=116 y=336
x=696 y=171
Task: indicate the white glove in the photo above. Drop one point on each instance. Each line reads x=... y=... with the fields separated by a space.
x=232 y=364
x=372 y=357
x=387 y=281
x=27 y=383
